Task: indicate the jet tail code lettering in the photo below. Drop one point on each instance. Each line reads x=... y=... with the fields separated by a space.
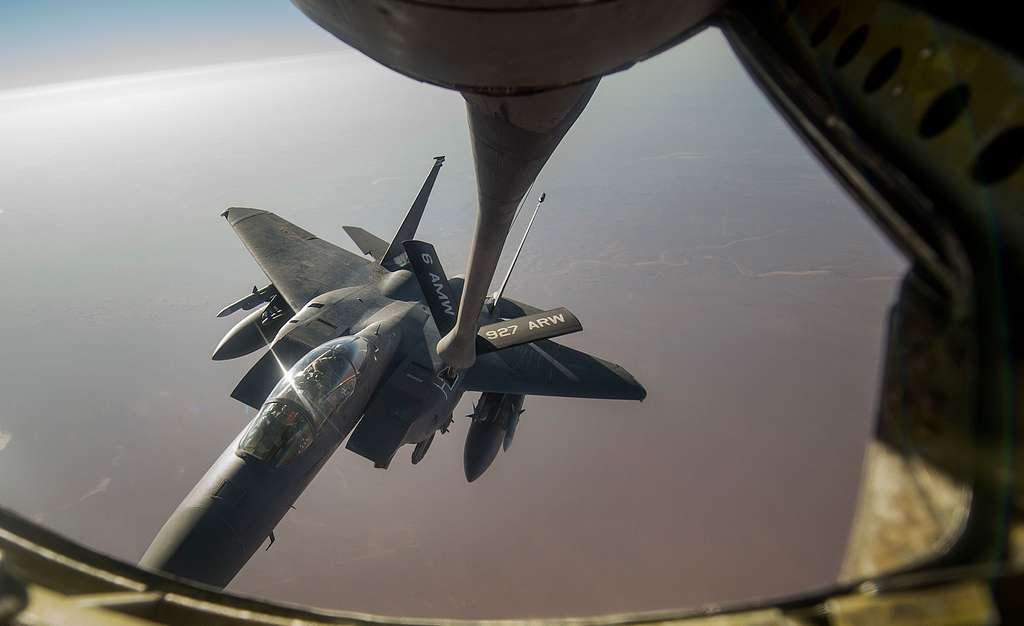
x=433 y=283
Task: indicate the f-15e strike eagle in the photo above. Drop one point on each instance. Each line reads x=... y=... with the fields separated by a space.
x=352 y=354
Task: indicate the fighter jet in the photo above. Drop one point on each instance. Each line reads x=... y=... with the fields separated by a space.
x=352 y=355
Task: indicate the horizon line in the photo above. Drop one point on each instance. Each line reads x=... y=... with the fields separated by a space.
x=111 y=80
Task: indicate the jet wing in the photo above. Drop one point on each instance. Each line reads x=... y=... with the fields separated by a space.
x=546 y=368
x=298 y=263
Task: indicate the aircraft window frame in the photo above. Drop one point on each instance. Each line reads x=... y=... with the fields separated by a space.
x=299 y=438
x=336 y=365
x=339 y=377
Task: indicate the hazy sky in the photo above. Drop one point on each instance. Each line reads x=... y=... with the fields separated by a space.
x=45 y=41
x=698 y=242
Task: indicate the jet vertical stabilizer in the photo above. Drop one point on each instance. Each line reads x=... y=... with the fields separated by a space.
x=395 y=255
x=434 y=284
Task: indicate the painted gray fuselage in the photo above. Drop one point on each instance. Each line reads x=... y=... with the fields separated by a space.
x=235 y=507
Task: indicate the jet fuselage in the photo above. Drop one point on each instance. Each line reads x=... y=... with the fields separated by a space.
x=384 y=369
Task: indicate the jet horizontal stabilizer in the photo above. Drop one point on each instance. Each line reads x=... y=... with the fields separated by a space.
x=433 y=283
x=368 y=242
x=526 y=329
x=546 y=368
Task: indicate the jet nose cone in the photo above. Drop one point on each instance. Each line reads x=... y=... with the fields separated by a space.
x=212 y=533
x=197 y=544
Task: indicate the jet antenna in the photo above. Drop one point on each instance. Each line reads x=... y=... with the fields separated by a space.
x=501 y=290
x=522 y=201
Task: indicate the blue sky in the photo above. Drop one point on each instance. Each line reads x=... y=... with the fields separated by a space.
x=47 y=41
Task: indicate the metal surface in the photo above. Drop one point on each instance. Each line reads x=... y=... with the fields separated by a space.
x=49 y=580
x=512 y=140
x=508 y=47
x=355 y=359
x=911 y=112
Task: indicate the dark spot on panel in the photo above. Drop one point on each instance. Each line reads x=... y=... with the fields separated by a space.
x=825 y=27
x=851 y=46
x=883 y=69
x=1001 y=157
x=945 y=110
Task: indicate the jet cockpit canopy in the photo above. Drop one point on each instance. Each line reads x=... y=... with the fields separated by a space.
x=304 y=400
